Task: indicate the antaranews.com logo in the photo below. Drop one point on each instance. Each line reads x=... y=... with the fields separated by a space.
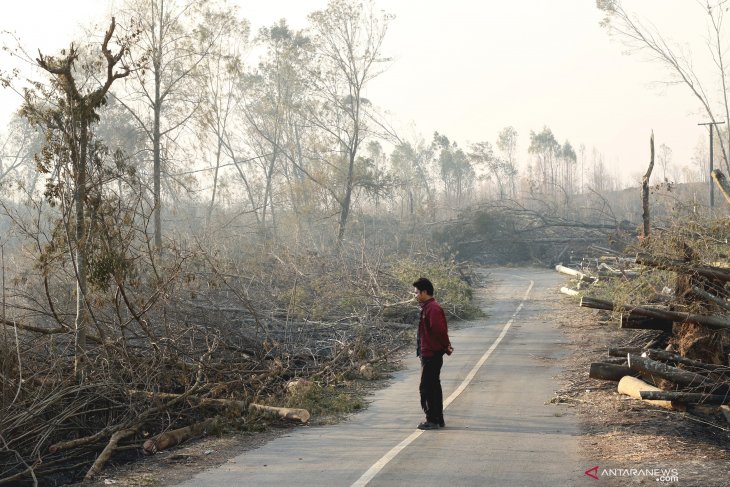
x=659 y=474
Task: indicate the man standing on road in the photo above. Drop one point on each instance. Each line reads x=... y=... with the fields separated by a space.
x=433 y=343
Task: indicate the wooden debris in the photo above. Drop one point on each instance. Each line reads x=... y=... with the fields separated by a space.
x=688 y=397
x=630 y=322
x=673 y=374
x=292 y=414
x=631 y=386
x=608 y=371
x=168 y=439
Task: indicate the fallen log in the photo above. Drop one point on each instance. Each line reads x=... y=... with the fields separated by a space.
x=293 y=414
x=665 y=356
x=688 y=397
x=614 y=360
x=678 y=376
x=106 y=454
x=710 y=272
x=568 y=291
x=623 y=351
x=631 y=386
x=608 y=371
x=629 y=322
x=723 y=303
x=575 y=273
x=168 y=439
x=675 y=316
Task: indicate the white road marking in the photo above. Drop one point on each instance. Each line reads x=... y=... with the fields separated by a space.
x=385 y=459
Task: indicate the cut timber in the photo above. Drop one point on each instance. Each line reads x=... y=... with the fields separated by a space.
x=689 y=397
x=675 y=316
x=607 y=371
x=630 y=322
x=710 y=272
x=631 y=386
x=622 y=351
x=678 y=376
x=285 y=413
x=665 y=356
x=574 y=273
x=568 y=291
x=168 y=439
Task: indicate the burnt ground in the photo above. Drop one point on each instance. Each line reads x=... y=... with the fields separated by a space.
x=617 y=432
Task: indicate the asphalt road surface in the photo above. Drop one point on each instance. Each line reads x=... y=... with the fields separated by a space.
x=501 y=429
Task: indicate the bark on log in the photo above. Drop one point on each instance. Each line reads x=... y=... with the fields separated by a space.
x=622 y=351
x=675 y=316
x=665 y=356
x=678 y=376
x=631 y=386
x=575 y=273
x=285 y=413
x=723 y=303
x=688 y=397
x=710 y=272
x=629 y=322
x=608 y=371
x=106 y=454
x=168 y=439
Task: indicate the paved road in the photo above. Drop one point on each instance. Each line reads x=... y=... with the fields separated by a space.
x=500 y=428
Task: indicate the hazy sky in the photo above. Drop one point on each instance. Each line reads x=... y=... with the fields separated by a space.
x=469 y=68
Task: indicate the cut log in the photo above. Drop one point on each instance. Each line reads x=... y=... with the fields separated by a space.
x=568 y=291
x=614 y=360
x=623 y=351
x=665 y=356
x=631 y=386
x=168 y=439
x=285 y=413
x=631 y=322
x=607 y=371
x=688 y=397
x=678 y=376
x=675 y=316
x=575 y=273
x=710 y=272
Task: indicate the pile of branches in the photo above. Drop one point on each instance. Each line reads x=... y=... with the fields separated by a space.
x=533 y=231
x=188 y=347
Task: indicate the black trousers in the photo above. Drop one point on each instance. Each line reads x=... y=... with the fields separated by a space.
x=432 y=399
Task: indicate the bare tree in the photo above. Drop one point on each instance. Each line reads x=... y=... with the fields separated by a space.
x=348 y=40
x=643 y=37
x=68 y=125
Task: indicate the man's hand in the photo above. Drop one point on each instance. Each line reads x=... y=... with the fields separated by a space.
x=449 y=350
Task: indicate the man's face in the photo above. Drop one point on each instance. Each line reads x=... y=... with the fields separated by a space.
x=421 y=296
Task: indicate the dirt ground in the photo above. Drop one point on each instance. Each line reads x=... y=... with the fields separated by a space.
x=618 y=433
x=623 y=433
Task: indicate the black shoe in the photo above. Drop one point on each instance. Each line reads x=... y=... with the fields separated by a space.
x=442 y=424
x=428 y=425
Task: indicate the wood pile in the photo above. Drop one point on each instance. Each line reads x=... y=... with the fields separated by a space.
x=684 y=362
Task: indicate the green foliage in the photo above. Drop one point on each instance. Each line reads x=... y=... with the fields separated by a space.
x=326 y=400
x=452 y=292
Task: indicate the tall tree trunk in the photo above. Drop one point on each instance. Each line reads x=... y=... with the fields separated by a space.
x=345 y=205
x=82 y=316
x=157 y=164
x=645 y=188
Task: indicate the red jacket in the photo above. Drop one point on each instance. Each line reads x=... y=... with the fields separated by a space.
x=433 y=333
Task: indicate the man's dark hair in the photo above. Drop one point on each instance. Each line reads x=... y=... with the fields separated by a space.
x=423 y=284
